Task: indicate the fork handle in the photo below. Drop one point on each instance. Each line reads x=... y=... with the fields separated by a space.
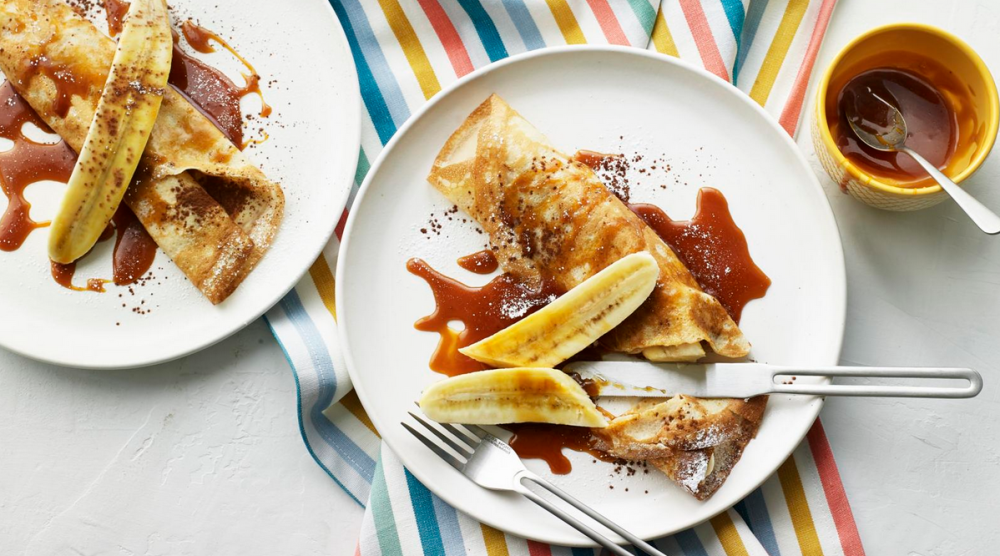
x=529 y=477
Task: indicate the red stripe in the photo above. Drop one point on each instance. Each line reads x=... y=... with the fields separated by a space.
x=703 y=38
x=538 y=549
x=793 y=107
x=608 y=22
x=339 y=230
x=836 y=498
x=448 y=36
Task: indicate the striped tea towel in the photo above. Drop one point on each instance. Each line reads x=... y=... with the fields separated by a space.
x=405 y=52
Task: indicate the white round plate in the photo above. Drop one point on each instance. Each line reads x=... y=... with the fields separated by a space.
x=309 y=79
x=612 y=100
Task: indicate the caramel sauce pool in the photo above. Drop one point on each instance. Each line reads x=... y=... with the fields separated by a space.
x=941 y=121
x=481 y=262
x=713 y=249
x=546 y=442
x=932 y=129
x=483 y=311
x=25 y=163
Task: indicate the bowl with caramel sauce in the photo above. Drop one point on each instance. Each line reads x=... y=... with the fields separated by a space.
x=945 y=93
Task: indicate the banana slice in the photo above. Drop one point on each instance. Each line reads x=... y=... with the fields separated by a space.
x=117 y=136
x=525 y=395
x=574 y=321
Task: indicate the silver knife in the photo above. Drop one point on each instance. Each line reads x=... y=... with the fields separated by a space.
x=743 y=380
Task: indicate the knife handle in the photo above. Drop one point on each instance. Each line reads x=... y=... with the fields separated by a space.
x=970 y=390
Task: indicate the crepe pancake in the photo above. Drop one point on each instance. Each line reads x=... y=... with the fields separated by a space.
x=550 y=217
x=201 y=200
x=695 y=442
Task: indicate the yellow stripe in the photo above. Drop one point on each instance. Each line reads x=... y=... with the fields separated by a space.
x=566 y=21
x=728 y=535
x=662 y=39
x=496 y=543
x=323 y=279
x=779 y=48
x=351 y=402
x=798 y=508
x=412 y=48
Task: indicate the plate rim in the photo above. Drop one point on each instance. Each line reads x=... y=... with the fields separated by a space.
x=840 y=280
x=353 y=132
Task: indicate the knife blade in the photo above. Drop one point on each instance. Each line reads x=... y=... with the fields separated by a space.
x=657 y=380
x=645 y=379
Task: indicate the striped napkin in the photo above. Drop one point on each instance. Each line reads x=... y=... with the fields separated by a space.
x=406 y=51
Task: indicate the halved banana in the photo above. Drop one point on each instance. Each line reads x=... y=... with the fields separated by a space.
x=575 y=320
x=524 y=395
x=117 y=136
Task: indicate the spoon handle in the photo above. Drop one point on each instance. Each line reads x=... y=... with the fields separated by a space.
x=986 y=219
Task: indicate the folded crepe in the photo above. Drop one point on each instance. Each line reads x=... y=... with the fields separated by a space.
x=201 y=200
x=695 y=442
x=550 y=217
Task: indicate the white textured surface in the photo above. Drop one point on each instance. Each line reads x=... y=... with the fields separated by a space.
x=199 y=456
x=91 y=460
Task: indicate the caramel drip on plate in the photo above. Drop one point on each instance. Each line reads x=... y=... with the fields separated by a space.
x=25 y=163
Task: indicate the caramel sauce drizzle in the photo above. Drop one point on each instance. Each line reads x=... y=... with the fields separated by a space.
x=483 y=310
x=546 y=442
x=481 y=262
x=208 y=89
x=713 y=249
x=25 y=163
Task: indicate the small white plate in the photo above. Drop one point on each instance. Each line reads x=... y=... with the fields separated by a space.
x=613 y=100
x=308 y=77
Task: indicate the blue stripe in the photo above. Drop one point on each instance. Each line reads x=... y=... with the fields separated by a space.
x=524 y=23
x=750 y=25
x=451 y=531
x=374 y=101
x=578 y=551
x=735 y=15
x=380 y=78
x=741 y=508
x=485 y=28
x=327 y=380
x=302 y=430
x=759 y=521
x=689 y=543
x=423 y=511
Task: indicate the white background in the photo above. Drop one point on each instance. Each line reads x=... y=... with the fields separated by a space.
x=203 y=455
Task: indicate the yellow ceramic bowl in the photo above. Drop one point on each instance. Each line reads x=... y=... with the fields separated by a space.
x=977 y=123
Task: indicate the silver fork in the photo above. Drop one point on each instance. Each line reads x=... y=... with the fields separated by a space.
x=491 y=463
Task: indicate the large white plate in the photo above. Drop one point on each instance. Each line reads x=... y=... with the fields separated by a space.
x=589 y=98
x=308 y=77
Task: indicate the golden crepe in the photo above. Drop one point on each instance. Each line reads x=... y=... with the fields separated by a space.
x=695 y=442
x=201 y=200
x=548 y=216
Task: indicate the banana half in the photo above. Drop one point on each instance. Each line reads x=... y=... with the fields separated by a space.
x=575 y=320
x=524 y=395
x=117 y=136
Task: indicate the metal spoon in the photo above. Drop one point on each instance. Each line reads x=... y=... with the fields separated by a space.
x=892 y=138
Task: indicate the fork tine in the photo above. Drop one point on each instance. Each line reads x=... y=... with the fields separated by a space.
x=464 y=435
x=473 y=429
x=476 y=431
x=443 y=454
x=462 y=448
